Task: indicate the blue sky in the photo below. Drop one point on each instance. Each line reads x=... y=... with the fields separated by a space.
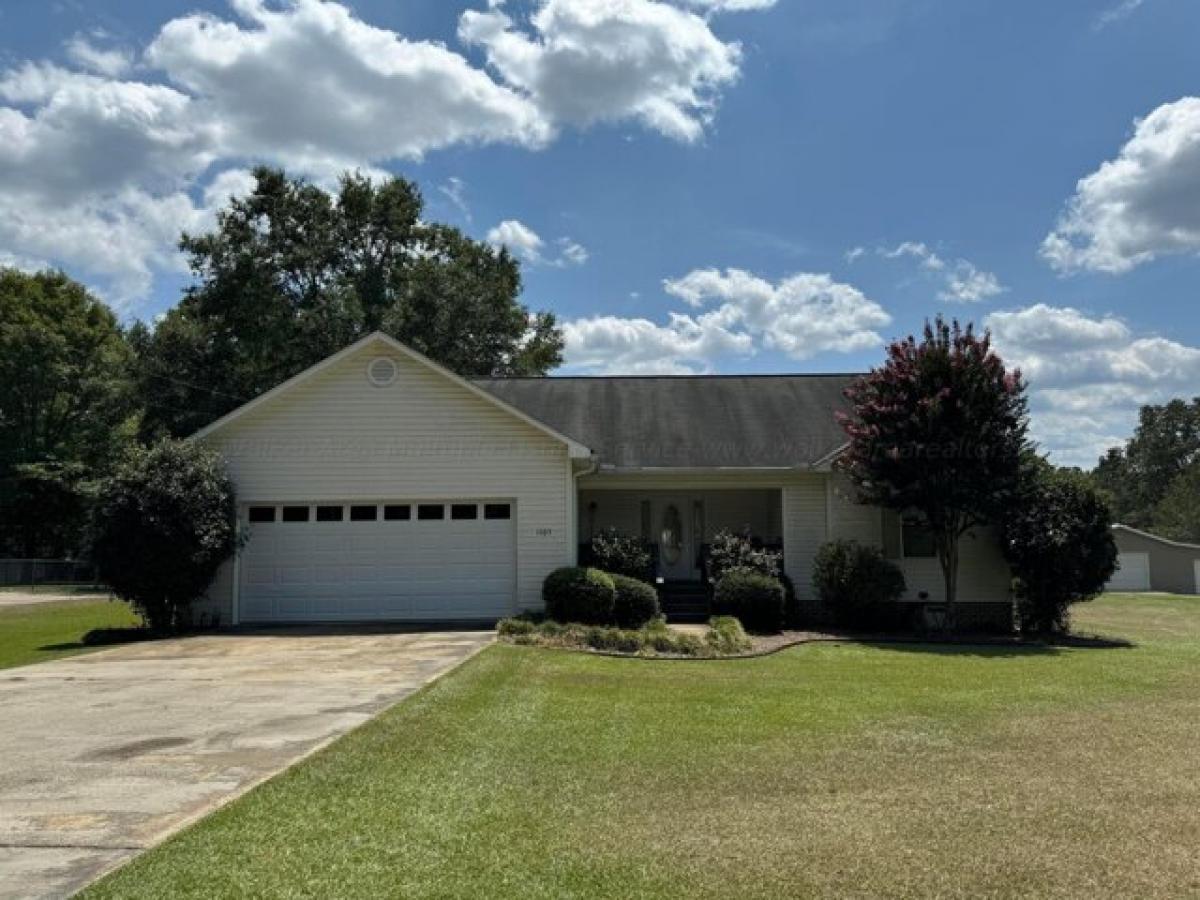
x=694 y=185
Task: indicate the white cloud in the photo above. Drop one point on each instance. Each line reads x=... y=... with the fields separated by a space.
x=123 y=238
x=587 y=61
x=1089 y=375
x=1114 y=14
x=572 y=252
x=306 y=84
x=638 y=346
x=519 y=238
x=112 y=63
x=527 y=244
x=314 y=87
x=917 y=251
x=854 y=254
x=801 y=316
x=455 y=190
x=90 y=135
x=1143 y=204
x=729 y=5
x=962 y=281
x=967 y=284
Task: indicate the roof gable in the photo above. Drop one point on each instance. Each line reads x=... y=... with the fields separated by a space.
x=574 y=448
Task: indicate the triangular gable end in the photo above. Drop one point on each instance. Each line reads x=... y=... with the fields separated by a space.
x=574 y=448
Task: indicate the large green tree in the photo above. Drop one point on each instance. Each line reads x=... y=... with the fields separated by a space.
x=66 y=406
x=292 y=273
x=1177 y=515
x=1138 y=476
x=939 y=430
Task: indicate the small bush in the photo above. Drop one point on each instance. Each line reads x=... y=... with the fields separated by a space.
x=726 y=635
x=636 y=602
x=686 y=645
x=621 y=554
x=614 y=639
x=740 y=551
x=579 y=595
x=858 y=586
x=550 y=628
x=514 y=627
x=754 y=598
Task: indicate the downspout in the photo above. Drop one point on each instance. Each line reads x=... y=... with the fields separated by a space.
x=590 y=469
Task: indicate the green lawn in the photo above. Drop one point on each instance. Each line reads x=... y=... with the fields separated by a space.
x=830 y=770
x=36 y=632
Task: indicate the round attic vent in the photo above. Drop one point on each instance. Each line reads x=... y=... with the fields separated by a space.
x=381 y=371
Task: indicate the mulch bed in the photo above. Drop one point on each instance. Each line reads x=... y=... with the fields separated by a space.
x=771 y=643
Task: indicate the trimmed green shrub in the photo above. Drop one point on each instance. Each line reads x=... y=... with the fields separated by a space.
x=575 y=594
x=857 y=586
x=740 y=551
x=754 y=598
x=725 y=635
x=614 y=639
x=686 y=645
x=636 y=602
x=514 y=627
x=622 y=554
x=550 y=628
x=162 y=526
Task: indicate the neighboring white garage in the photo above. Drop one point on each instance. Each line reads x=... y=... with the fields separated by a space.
x=385 y=560
x=377 y=485
x=1133 y=573
x=1150 y=562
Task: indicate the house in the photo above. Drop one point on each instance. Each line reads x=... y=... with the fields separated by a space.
x=1147 y=562
x=378 y=485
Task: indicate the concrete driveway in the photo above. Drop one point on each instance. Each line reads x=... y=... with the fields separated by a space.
x=102 y=756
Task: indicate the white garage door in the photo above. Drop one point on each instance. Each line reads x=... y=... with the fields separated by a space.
x=1133 y=573
x=388 y=560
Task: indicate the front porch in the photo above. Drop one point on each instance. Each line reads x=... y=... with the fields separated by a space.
x=679 y=525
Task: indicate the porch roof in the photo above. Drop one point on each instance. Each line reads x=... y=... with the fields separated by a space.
x=701 y=421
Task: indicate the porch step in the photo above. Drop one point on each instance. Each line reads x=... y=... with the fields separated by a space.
x=684 y=601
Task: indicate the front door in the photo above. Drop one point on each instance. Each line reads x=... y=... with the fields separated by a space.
x=676 y=549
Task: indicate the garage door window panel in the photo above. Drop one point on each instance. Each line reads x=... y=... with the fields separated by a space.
x=295 y=514
x=330 y=513
x=431 y=512
x=497 y=511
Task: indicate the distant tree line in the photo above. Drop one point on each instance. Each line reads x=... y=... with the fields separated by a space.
x=1153 y=482
x=289 y=274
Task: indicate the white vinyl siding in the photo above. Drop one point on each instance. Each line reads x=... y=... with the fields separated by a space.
x=983 y=573
x=851 y=520
x=805 y=520
x=337 y=438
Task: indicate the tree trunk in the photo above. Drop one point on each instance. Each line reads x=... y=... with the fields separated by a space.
x=948 y=557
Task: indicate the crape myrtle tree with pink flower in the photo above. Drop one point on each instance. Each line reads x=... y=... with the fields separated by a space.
x=938 y=431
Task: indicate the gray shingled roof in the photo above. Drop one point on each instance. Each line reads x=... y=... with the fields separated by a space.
x=748 y=421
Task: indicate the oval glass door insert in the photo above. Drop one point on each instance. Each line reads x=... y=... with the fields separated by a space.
x=671 y=540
